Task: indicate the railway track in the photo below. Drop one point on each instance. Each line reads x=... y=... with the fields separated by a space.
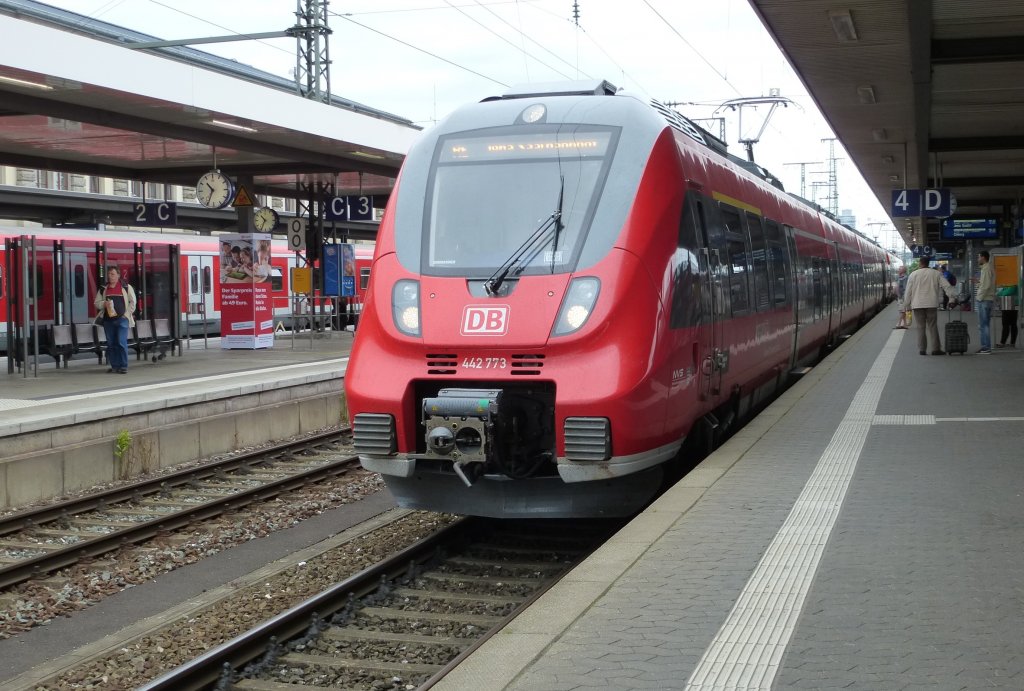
x=42 y=540
x=404 y=622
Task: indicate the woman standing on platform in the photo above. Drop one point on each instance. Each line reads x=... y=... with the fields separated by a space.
x=116 y=302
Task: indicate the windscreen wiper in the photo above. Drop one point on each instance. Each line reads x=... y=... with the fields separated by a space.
x=541 y=235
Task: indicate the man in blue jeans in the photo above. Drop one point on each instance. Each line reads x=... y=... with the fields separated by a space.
x=985 y=295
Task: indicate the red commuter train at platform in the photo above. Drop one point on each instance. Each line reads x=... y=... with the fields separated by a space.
x=569 y=284
x=66 y=287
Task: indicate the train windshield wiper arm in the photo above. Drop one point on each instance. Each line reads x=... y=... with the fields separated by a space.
x=541 y=235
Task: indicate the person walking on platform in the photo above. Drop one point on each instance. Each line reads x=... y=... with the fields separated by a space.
x=985 y=295
x=951 y=279
x=922 y=296
x=901 y=290
x=116 y=302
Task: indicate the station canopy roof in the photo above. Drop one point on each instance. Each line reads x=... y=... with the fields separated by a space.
x=74 y=98
x=921 y=93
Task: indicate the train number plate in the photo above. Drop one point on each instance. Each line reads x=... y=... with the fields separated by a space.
x=484 y=363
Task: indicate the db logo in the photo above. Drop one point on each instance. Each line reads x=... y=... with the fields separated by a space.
x=485 y=320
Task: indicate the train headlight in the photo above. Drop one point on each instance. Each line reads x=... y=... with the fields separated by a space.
x=577 y=306
x=405 y=306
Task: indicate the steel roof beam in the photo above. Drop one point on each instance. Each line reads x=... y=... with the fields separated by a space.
x=919 y=21
x=955 y=51
x=949 y=144
x=134 y=123
x=994 y=181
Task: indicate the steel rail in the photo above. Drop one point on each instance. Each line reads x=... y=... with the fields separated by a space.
x=28 y=568
x=208 y=667
x=31 y=518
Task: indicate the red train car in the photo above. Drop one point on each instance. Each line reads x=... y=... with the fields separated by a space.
x=65 y=279
x=571 y=284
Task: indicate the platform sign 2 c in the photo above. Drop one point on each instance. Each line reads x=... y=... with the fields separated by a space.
x=938 y=203
x=156 y=214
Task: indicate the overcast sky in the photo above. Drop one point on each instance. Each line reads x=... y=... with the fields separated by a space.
x=421 y=59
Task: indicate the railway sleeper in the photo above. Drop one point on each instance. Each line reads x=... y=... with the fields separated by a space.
x=342 y=635
x=457 y=597
x=531 y=566
x=328 y=662
x=479 y=620
x=264 y=685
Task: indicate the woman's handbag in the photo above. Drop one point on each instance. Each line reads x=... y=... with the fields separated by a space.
x=98 y=321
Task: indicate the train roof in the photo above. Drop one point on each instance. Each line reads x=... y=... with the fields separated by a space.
x=678 y=122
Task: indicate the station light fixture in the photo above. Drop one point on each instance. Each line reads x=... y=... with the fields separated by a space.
x=842 y=24
x=232 y=126
x=888 y=159
x=21 y=82
x=879 y=134
x=866 y=95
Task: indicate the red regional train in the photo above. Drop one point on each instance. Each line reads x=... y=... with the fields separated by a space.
x=571 y=283
x=198 y=269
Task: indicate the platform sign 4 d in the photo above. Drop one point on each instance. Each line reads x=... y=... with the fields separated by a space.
x=933 y=203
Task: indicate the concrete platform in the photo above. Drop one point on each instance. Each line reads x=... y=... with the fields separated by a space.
x=864 y=532
x=58 y=430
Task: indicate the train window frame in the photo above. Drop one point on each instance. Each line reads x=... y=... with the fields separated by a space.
x=207 y=279
x=685 y=311
x=739 y=281
x=777 y=259
x=1 y=281
x=762 y=298
x=276 y=279
x=364 y=277
x=193 y=280
x=78 y=281
x=431 y=266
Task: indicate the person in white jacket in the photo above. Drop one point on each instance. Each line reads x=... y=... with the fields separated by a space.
x=922 y=296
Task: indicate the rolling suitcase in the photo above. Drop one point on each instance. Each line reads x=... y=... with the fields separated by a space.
x=957 y=337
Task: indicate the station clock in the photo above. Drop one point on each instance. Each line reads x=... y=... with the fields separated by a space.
x=214 y=190
x=265 y=219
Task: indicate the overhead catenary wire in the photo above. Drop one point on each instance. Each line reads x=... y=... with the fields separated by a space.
x=495 y=33
x=421 y=50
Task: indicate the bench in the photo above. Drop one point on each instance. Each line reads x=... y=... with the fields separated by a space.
x=143 y=340
x=165 y=340
x=61 y=343
x=89 y=338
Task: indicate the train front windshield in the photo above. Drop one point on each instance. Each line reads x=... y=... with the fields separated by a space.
x=491 y=190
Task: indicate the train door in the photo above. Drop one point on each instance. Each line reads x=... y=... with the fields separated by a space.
x=714 y=356
x=834 y=295
x=199 y=287
x=78 y=294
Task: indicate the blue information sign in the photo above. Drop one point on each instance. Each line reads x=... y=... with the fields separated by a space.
x=350 y=208
x=934 y=203
x=969 y=228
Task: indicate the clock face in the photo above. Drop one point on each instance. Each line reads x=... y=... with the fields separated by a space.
x=214 y=190
x=264 y=219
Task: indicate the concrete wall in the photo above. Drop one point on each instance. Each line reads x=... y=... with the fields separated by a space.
x=50 y=463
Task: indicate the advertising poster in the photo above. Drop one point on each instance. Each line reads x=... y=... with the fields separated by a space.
x=339 y=265
x=247 y=310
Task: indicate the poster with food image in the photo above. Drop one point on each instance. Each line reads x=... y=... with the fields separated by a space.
x=247 y=312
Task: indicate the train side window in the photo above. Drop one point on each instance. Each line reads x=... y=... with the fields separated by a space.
x=736 y=249
x=687 y=299
x=193 y=280
x=759 y=262
x=276 y=279
x=207 y=280
x=364 y=278
x=780 y=271
x=79 y=281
